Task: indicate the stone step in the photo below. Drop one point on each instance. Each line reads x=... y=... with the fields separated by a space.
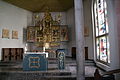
x=89 y=78
x=22 y=77
x=89 y=63
x=55 y=61
x=7 y=69
x=37 y=76
x=10 y=63
x=51 y=63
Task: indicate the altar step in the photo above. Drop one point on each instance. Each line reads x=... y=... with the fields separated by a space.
x=52 y=63
x=39 y=75
x=16 y=73
x=36 y=75
x=55 y=61
x=90 y=62
x=9 y=63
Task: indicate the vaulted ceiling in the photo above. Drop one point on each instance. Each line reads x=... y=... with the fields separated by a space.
x=41 y=5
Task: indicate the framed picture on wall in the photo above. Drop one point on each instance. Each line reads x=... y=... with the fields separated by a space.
x=5 y=33
x=30 y=34
x=14 y=34
x=64 y=33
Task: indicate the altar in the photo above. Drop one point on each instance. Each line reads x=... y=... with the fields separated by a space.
x=35 y=61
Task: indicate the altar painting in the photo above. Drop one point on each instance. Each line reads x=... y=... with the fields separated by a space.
x=30 y=34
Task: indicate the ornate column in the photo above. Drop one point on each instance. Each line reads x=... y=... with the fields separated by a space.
x=79 y=29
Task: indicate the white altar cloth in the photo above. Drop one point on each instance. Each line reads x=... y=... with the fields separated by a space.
x=46 y=53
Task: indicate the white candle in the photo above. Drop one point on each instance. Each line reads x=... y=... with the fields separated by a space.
x=43 y=49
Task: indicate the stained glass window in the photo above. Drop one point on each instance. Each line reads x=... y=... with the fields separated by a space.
x=101 y=31
x=103 y=49
x=98 y=48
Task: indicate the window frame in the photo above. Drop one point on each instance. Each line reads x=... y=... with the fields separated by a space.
x=97 y=35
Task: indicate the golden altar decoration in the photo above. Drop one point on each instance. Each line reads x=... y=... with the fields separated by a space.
x=47 y=30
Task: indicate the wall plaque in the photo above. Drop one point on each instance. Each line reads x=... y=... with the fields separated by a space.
x=14 y=34
x=5 y=33
x=64 y=33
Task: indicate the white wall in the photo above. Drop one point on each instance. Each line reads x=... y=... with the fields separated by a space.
x=117 y=16
x=88 y=24
x=13 y=18
x=117 y=10
x=113 y=37
x=71 y=27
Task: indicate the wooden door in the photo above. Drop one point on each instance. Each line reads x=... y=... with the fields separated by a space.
x=73 y=52
x=86 y=53
x=13 y=54
x=6 y=54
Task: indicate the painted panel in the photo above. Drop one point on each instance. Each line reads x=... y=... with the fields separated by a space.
x=35 y=62
x=61 y=58
x=39 y=34
x=55 y=33
x=30 y=34
x=64 y=33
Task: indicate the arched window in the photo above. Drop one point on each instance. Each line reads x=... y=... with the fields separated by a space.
x=101 y=31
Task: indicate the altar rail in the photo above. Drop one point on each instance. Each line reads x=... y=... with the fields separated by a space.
x=12 y=54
